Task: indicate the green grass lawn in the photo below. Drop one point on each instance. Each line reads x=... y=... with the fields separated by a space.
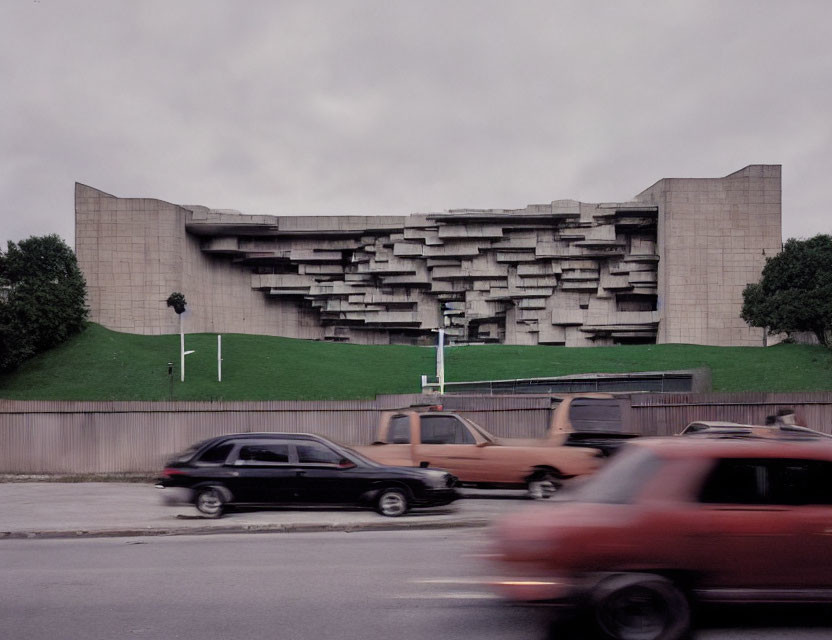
x=104 y=365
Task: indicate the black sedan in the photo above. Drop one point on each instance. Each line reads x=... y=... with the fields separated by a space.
x=261 y=469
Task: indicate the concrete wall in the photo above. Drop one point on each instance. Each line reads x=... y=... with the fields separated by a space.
x=135 y=252
x=714 y=236
x=130 y=251
x=122 y=437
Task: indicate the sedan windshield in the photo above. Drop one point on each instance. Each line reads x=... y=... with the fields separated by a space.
x=188 y=453
x=621 y=480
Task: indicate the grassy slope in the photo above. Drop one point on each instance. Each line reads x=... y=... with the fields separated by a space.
x=105 y=365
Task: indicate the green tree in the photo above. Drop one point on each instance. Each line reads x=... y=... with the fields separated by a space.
x=42 y=294
x=795 y=291
x=178 y=302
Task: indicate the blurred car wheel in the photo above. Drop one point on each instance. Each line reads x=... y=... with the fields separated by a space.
x=210 y=502
x=543 y=485
x=392 y=503
x=640 y=607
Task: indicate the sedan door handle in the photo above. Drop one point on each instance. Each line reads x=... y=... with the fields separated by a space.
x=301 y=473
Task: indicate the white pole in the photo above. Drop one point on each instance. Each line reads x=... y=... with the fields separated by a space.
x=219 y=358
x=440 y=362
x=181 y=351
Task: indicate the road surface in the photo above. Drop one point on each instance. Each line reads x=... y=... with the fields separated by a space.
x=406 y=585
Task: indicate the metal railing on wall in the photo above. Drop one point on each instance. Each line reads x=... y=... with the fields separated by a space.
x=656 y=382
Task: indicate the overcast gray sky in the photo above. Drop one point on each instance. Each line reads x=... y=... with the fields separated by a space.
x=395 y=107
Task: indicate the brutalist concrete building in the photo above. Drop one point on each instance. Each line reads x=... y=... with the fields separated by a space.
x=667 y=266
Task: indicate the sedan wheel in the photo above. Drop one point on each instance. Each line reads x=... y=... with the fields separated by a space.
x=210 y=502
x=392 y=503
x=633 y=607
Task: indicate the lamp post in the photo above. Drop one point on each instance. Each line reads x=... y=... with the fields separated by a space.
x=177 y=301
x=440 y=361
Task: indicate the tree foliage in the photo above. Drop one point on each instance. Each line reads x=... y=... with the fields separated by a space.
x=177 y=301
x=795 y=291
x=42 y=294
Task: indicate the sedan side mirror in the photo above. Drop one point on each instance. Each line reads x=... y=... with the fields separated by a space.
x=345 y=463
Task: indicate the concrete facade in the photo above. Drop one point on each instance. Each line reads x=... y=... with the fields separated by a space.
x=667 y=266
x=714 y=236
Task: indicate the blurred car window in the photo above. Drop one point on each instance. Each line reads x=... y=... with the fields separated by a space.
x=595 y=414
x=188 y=453
x=217 y=454
x=314 y=452
x=264 y=453
x=735 y=481
x=399 y=432
x=444 y=430
x=769 y=482
x=621 y=480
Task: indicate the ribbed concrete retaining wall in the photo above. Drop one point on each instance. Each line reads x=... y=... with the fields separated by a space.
x=114 y=437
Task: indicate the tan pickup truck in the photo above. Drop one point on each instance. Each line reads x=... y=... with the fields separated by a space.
x=421 y=438
x=595 y=420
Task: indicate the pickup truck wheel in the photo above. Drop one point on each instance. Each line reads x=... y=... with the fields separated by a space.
x=210 y=502
x=543 y=485
x=640 y=607
x=392 y=503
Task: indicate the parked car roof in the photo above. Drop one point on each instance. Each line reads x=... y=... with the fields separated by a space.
x=734 y=429
x=268 y=434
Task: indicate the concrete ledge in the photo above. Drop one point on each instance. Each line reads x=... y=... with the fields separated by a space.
x=297 y=527
x=143 y=478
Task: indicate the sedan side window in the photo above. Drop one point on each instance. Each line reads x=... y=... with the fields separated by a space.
x=264 y=453
x=316 y=453
x=736 y=481
x=444 y=430
x=774 y=481
x=801 y=482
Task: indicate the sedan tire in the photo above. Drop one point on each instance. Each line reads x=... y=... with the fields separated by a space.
x=640 y=607
x=392 y=503
x=210 y=502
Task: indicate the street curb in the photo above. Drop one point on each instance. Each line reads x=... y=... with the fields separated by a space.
x=300 y=527
x=77 y=478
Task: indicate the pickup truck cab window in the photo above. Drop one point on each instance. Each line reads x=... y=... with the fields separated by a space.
x=482 y=433
x=399 y=430
x=444 y=430
x=595 y=415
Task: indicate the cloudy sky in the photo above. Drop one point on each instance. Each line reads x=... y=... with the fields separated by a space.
x=394 y=107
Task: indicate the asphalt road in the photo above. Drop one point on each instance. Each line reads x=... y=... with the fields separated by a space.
x=406 y=585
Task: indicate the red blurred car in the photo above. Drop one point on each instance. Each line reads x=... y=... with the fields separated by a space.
x=674 y=521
